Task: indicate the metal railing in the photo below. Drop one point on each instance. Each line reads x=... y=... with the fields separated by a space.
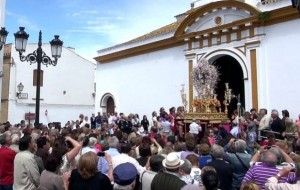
x=260 y=137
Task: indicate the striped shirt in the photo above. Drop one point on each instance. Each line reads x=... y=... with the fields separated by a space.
x=260 y=173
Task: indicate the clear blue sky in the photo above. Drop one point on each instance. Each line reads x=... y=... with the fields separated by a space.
x=90 y=25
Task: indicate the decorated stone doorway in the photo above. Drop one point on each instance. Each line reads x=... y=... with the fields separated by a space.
x=107 y=103
x=230 y=72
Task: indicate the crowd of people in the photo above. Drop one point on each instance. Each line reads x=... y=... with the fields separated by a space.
x=115 y=151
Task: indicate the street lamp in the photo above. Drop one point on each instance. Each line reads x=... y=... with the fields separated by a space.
x=3 y=35
x=20 y=89
x=39 y=57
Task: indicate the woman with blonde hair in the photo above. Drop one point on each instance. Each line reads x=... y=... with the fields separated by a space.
x=250 y=186
x=87 y=175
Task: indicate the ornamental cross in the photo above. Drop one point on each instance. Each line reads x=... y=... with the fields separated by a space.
x=203 y=78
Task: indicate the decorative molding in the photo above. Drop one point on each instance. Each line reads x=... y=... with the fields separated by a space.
x=281 y=15
x=253 y=44
x=146 y=48
x=104 y=98
x=211 y=117
x=254 y=78
x=200 y=56
x=7 y=51
x=241 y=61
x=275 y=16
x=212 y=6
x=242 y=49
x=228 y=40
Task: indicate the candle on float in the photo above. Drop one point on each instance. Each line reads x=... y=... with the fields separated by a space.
x=227 y=85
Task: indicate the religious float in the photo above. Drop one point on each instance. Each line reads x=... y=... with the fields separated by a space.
x=205 y=105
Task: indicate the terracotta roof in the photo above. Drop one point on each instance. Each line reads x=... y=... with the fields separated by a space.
x=158 y=32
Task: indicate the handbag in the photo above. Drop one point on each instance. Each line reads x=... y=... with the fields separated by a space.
x=141 y=184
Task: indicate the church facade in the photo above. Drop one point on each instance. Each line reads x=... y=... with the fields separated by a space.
x=254 y=45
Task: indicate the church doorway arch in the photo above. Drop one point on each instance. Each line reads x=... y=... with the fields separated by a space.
x=107 y=103
x=110 y=105
x=230 y=72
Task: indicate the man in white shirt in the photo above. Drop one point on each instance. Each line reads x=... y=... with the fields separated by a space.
x=235 y=131
x=264 y=122
x=195 y=128
x=113 y=143
x=155 y=167
x=124 y=157
x=110 y=119
x=166 y=127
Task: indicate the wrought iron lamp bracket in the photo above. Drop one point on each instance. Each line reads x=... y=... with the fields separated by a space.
x=32 y=58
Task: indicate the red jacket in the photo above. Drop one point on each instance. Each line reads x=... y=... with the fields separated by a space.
x=7 y=157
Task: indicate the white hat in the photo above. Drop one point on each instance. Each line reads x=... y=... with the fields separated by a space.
x=172 y=161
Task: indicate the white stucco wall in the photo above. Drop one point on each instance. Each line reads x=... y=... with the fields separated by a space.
x=280 y=52
x=2 y=19
x=72 y=74
x=144 y=83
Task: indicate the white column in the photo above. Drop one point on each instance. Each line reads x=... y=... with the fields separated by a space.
x=2 y=18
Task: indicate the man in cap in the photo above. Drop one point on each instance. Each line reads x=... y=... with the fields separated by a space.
x=125 y=176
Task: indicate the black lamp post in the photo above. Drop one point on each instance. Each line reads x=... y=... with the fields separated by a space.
x=3 y=35
x=39 y=57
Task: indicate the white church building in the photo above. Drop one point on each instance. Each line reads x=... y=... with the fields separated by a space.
x=254 y=43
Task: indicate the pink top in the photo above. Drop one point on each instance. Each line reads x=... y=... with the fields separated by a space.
x=211 y=141
x=227 y=127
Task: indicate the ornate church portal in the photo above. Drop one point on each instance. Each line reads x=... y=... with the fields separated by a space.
x=230 y=72
x=107 y=103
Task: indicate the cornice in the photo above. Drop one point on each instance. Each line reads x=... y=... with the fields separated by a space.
x=274 y=17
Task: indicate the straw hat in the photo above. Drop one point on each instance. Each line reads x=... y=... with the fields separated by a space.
x=172 y=161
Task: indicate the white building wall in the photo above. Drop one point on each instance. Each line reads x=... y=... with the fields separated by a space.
x=2 y=19
x=72 y=74
x=144 y=83
x=281 y=55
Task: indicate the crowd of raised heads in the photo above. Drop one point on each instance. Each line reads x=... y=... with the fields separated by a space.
x=252 y=151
